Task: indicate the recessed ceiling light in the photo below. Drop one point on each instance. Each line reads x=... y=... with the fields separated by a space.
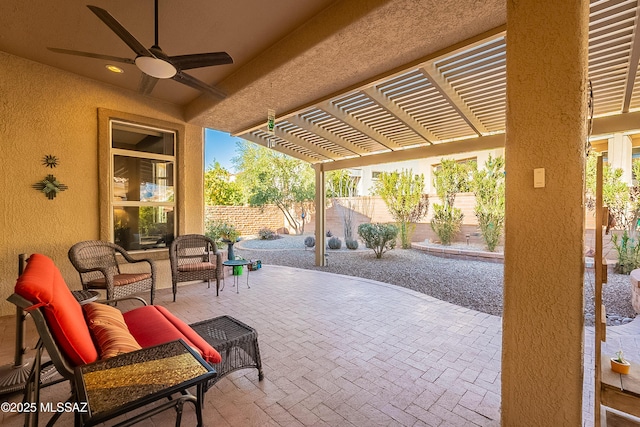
x=114 y=69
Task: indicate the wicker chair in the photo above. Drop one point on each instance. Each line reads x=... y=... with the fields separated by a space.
x=195 y=257
x=96 y=262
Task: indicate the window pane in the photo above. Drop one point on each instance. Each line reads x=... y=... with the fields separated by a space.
x=143 y=227
x=144 y=180
x=145 y=140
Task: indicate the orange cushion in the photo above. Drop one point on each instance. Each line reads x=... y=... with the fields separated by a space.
x=197 y=266
x=120 y=280
x=152 y=324
x=109 y=330
x=42 y=283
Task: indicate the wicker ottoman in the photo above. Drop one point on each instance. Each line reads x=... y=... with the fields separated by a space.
x=236 y=342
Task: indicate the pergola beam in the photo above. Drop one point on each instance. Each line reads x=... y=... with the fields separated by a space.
x=632 y=70
x=336 y=112
x=261 y=141
x=322 y=132
x=306 y=144
x=393 y=109
x=448 y=92
x=436 y=150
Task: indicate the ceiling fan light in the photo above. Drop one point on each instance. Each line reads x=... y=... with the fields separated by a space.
x=114 y=69
x=155 y=67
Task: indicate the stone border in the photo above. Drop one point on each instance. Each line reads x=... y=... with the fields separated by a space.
x=456 y=252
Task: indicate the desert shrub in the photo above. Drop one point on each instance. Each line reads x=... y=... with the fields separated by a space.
x=628 y=250
x=446 y=222
x=450 y=179
x=402 y=192
x=379 y=237
x=310 y=241
x=488 y=187
x=351 y=244
x=267 y=234
x=334 y=243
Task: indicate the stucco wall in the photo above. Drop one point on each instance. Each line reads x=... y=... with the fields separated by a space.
x=47 y=111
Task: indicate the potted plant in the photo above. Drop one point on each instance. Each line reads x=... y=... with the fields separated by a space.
x=619 y=364
x=229 y=235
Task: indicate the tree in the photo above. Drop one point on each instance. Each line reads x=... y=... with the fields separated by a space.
x=275 y=178
x=488 y=186
x=340 y=183
x=219 y=189
x=450 y=179
x=341 y=188
x=402 y=192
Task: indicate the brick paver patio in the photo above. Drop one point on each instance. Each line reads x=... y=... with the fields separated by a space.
x=339 y=351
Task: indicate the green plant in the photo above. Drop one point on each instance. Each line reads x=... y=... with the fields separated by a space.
x=628 y=250
x=270 y=177
x=351 y=244
x=310 y=241
x=222 y=231
x=267 y=234
x=488 y=186
x=334 y=243
x=213 y=231
x=219 y=189
x=402 y=192
x=446 y=222
x=379 y=237
x=620 y=357
x=450 y=179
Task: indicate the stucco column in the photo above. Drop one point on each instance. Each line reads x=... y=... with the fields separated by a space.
x=543 y=316
x=619 y=155
x=320 y=215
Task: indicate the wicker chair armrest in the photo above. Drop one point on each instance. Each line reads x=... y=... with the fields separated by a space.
x=219 y=260
x=133 y=260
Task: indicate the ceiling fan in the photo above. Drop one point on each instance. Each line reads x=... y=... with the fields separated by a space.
x=153 y=62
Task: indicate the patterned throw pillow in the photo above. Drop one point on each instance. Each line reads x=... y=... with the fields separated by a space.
x=109 y=330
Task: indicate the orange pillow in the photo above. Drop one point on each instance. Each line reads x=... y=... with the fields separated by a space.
x=109 y=330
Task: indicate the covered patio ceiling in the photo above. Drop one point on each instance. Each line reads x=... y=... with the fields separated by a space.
x=451 y=101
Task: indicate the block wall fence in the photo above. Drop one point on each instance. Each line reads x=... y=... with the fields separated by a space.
x=249 y=220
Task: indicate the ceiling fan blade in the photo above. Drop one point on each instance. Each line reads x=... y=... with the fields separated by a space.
x=147 y=83
x=199 y=85
x=120 y=31
x=199 y=60
x=92 y=55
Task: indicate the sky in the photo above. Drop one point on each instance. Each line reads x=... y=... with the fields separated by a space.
x=220 y=147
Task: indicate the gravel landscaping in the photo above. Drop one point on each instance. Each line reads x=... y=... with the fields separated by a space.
x=468 y=283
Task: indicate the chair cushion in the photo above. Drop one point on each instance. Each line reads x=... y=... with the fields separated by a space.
x=120 y=280
x=109 y=330
x=152 y=324
x=197 y=266
x=42 y=284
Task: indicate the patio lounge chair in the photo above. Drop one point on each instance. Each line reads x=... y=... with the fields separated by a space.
x=195 y=257
x=98 y=267
x=73 y=336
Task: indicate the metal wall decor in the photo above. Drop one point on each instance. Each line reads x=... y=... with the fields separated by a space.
x=50 y=186
x=50 y=161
